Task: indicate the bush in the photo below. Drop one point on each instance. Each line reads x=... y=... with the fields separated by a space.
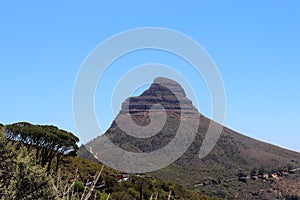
x=20 y=177
x=79 y=186
x=121 y=196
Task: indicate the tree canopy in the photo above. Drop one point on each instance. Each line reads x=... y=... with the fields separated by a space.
x=48 y=141
x=20 y=176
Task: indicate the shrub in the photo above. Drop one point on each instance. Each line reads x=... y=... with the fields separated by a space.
x=20 y=177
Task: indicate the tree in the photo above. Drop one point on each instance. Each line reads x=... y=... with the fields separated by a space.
x=20 y=177
x=242 y=177
x=253 y=172
x=48 y=141
x=261 y=171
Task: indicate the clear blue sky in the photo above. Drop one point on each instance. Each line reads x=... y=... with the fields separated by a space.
x=255 y=44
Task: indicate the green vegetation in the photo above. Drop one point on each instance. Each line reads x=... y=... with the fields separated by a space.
x=25 y=175
x=48 y=141
x=129 y=189
x=20 y=177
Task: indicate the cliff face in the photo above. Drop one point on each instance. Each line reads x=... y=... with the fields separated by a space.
x=232 y=154
x=163 y=106
x=163 y=91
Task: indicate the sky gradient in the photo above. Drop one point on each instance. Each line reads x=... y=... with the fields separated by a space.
x=255 y=44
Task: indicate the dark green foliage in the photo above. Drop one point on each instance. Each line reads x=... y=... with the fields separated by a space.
x=20 y=177
x=126 y=189
x=122 y=196
x=48 y=141
x=242 y=177
x=289 y=167
x=79 y=186
x=241 y=174
x=261 y=171
x=253 y=172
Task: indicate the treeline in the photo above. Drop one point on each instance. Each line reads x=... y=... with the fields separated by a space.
x=49 y=142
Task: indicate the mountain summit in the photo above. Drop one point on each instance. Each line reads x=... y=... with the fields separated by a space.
x=235 y=157
x=163 y=91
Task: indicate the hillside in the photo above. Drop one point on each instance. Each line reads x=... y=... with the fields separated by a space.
x=23 y=175
x=226 y=171
x=127 y=189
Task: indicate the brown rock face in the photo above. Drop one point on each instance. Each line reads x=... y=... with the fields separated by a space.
x=163 y=97
x=163 y=91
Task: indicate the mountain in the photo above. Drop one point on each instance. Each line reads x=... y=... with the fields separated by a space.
x=237 y=167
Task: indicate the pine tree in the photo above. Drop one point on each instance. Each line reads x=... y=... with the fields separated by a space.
x=20 y=177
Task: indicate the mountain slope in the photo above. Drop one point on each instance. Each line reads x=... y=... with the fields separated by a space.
x=234 y=155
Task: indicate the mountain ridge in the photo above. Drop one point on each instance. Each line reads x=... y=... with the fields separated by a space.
x=233 y=154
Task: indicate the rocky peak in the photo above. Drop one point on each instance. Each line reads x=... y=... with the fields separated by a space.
x=163 y=91
x=164 y=87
